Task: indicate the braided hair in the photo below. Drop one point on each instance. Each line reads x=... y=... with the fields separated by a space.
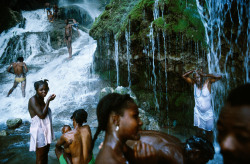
x=112 y=102
x=41 y=82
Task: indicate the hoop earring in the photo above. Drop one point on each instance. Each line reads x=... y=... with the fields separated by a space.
x=117 y=128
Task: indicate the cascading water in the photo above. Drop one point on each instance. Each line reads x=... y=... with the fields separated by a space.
x=127 y=36
x=213 y=18
x=152 y=43
x=69 y=79
x=117 y=61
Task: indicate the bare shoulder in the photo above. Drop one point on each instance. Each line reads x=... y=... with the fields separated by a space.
x=106 y=156
x=32 y=99
x=85 y=129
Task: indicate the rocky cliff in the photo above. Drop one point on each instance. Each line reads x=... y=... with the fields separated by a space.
x=158 y=40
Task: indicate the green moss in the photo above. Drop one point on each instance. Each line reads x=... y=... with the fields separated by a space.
x=181 y=26
x=159 y=23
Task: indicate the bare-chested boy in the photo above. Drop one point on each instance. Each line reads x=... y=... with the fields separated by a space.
x=19 y=69
x=47 y=7
x=68 y=37
x=79 y=140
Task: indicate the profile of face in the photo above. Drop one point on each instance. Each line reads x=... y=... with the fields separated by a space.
x=130 y=123
x=42 y=90
x=65 y=129
x=234 y=133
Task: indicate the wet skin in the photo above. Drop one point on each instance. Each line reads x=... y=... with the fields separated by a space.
x=115 y=150
x=79 y=144
x=234 y=134
x=168 y=148
x=38 y=107
x=19 y=69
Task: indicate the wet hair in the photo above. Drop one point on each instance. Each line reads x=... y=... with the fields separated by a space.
x=20 y=59
x=113 y=102
x=67 y=21
x=206 y=148
x=65 y=127
x=239 y=96
x=80 y=116
x=41 y=82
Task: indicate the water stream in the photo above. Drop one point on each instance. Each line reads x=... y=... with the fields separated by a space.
x=70 y=79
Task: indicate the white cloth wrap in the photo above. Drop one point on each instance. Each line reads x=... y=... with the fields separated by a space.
x=41 y=132
x=203 y=110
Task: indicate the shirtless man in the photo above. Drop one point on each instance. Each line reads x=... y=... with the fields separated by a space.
x=79 y=140
x=68 y=37
x=19 y=69
x=47 y=7
x=50 y=17
x=55 y=11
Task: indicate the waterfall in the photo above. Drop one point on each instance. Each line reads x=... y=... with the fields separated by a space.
x=152 y=42
x=127 y=36
x=35 y=22
x=70 y=80
x=247 y=58
x=213 y=19
x=117 y=61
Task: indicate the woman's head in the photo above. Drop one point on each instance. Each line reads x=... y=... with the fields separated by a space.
x=41 y=87
x=121 y=112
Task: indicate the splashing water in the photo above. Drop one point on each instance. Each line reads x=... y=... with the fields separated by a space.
x=117 y=61
x=70 y=80
x=127 y=36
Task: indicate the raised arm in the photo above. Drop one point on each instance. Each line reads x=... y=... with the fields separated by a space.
x=212 y=78
x=188 y=79
x=37 y=108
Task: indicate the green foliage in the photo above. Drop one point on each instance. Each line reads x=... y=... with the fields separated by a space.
x=181 y=26
x=159 y=23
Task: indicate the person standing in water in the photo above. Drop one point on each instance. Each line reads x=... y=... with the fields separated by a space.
x=41 y=131
x=68 y=37
x=203 y=110
x=47 y=7
x=19 y=69
x=76 y=142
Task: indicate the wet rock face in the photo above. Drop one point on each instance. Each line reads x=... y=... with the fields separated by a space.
x=18 y=5
x=77 y=13
x=14 y=123
x=9 y=18
x=10 y=11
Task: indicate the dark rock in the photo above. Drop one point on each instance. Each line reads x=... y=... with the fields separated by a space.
x=14 y=123
x=9 y=18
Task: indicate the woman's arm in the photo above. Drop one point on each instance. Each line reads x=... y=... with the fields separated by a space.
x=188 y=79
x=37 y=107
x=212 y=78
